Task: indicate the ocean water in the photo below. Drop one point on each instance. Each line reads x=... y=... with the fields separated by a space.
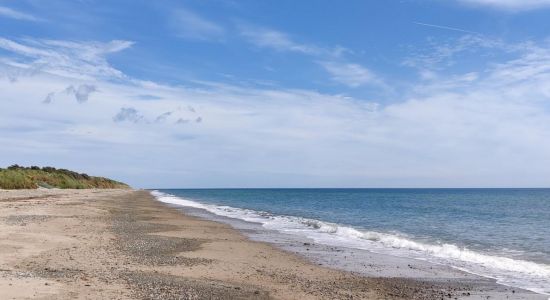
x=498 y=233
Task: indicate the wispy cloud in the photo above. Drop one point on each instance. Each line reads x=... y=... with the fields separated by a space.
x=511 y=5
x=352 y=75
x=67 y=58
x=488 y=128
x=14 y=14
x=147 y=97
x=191 y=25
x=441 y=55
x=277 y=40
x=331 y=59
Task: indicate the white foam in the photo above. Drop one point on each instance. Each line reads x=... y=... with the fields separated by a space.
x=514 y=272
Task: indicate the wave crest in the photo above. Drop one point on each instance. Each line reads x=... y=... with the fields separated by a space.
x=515 y=272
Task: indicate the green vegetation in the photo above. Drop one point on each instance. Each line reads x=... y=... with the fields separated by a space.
x=17 y=177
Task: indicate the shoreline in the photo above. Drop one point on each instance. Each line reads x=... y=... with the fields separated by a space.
x=322 y=242
x=124 y=244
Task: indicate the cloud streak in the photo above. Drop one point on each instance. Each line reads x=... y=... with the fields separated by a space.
x=277 y=40
x=442 y=55
x=350 y=74
x=83 y=60
x=488 y=128
x=510 y=5
x=17 y=15
x=190 y=25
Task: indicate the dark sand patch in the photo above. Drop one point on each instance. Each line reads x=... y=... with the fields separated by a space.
x=157 y=286
x=23 y=220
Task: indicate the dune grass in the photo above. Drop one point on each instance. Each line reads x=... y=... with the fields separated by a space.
x=17 y=177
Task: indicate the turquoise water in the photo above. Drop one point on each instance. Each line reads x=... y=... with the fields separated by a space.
x=499 y=233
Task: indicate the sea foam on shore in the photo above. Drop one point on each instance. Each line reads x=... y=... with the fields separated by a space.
x=508 y=271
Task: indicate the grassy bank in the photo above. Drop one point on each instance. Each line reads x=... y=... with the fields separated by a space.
x=17 y=177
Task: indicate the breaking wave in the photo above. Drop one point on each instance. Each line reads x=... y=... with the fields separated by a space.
x=509 y=271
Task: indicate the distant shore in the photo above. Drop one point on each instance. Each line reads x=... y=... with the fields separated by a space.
x=123 y=244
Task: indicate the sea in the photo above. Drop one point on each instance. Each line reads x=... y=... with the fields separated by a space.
x=497 y=233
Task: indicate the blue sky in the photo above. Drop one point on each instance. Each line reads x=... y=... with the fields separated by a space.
x=280 y=93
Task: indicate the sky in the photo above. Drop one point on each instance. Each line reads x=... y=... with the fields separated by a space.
x=223 y=93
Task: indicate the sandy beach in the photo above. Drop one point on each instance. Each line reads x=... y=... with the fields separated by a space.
x=123 y=244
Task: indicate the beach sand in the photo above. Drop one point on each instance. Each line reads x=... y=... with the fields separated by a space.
x=123 y=244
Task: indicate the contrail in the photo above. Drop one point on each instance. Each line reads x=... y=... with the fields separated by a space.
x=446 y=27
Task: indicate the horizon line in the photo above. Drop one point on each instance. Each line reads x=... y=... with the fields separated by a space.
x=346 y=188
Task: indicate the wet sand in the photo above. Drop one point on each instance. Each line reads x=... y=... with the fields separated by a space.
x=123 y=244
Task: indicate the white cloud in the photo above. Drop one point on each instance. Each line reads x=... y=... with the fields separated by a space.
x=513 y=5
x=464 y=52
x=441 y=55
x=14 y=14
x=490 y=128
x=83 y=60
x=269 y=38
x=283 y=42
x=189 y=24
x=352 y=75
